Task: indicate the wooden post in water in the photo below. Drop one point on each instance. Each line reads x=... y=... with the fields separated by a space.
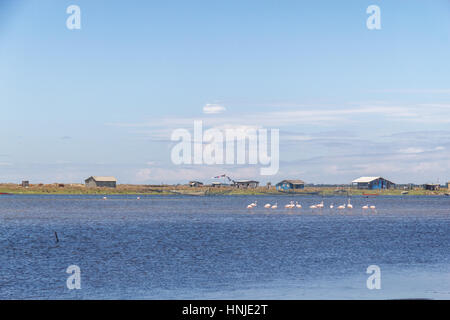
x=56 y=236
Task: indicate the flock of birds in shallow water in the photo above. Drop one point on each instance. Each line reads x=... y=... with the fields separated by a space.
x=292 y=205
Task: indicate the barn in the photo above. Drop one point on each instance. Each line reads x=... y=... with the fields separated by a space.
x=290 y=185
x=372 y=183
x=96 y=181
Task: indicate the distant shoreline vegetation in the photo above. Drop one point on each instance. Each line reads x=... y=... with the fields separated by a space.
x=125 y=189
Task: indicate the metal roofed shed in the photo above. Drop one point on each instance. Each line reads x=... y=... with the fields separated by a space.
x=372 y=183
x=98 y=181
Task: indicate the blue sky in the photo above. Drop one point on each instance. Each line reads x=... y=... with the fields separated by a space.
x=104 y=100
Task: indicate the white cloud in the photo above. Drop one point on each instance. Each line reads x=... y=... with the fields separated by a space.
x=313 y=115
x=213 y=109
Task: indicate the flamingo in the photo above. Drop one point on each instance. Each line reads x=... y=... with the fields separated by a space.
x=250 y=206
x=313 y=206
x=341 y=207
x=138 y=198
x=349 y=205
x=290 y=205
x=254 y=204
x=365 y=207
x=331 y=206
x=320 y=205
x=267 y=205
x=372 y=207
x=104 y=198
x=275 y=206
x=298 y=205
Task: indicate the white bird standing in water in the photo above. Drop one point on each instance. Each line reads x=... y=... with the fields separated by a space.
x=320 y=205
x=298 y=205
x=365 y=207
x=254 y=204
x=104 y=198
x=372 y=207
x=267 y=205
x=349 y=205
x=275 y=206
x=341 y=207
x=331 y=206
x=138 y=198
x=290 y=205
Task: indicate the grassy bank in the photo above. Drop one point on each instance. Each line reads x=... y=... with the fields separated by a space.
x=200 y=191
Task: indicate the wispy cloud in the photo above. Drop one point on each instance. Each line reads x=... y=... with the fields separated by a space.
x=213 y=109
x=319 y=116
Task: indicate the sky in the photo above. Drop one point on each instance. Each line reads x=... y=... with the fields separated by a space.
x=105 y=99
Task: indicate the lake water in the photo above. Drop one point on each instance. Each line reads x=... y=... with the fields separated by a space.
x=186 y=247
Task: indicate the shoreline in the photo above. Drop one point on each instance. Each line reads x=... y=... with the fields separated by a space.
x=9 y=189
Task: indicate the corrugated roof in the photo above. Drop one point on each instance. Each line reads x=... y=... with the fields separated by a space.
x=298 y=181
x=105 y=179
x=365 y=179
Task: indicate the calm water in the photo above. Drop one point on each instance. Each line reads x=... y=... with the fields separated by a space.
x=182 y=247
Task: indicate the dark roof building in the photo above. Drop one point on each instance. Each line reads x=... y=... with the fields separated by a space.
x=431 y=186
